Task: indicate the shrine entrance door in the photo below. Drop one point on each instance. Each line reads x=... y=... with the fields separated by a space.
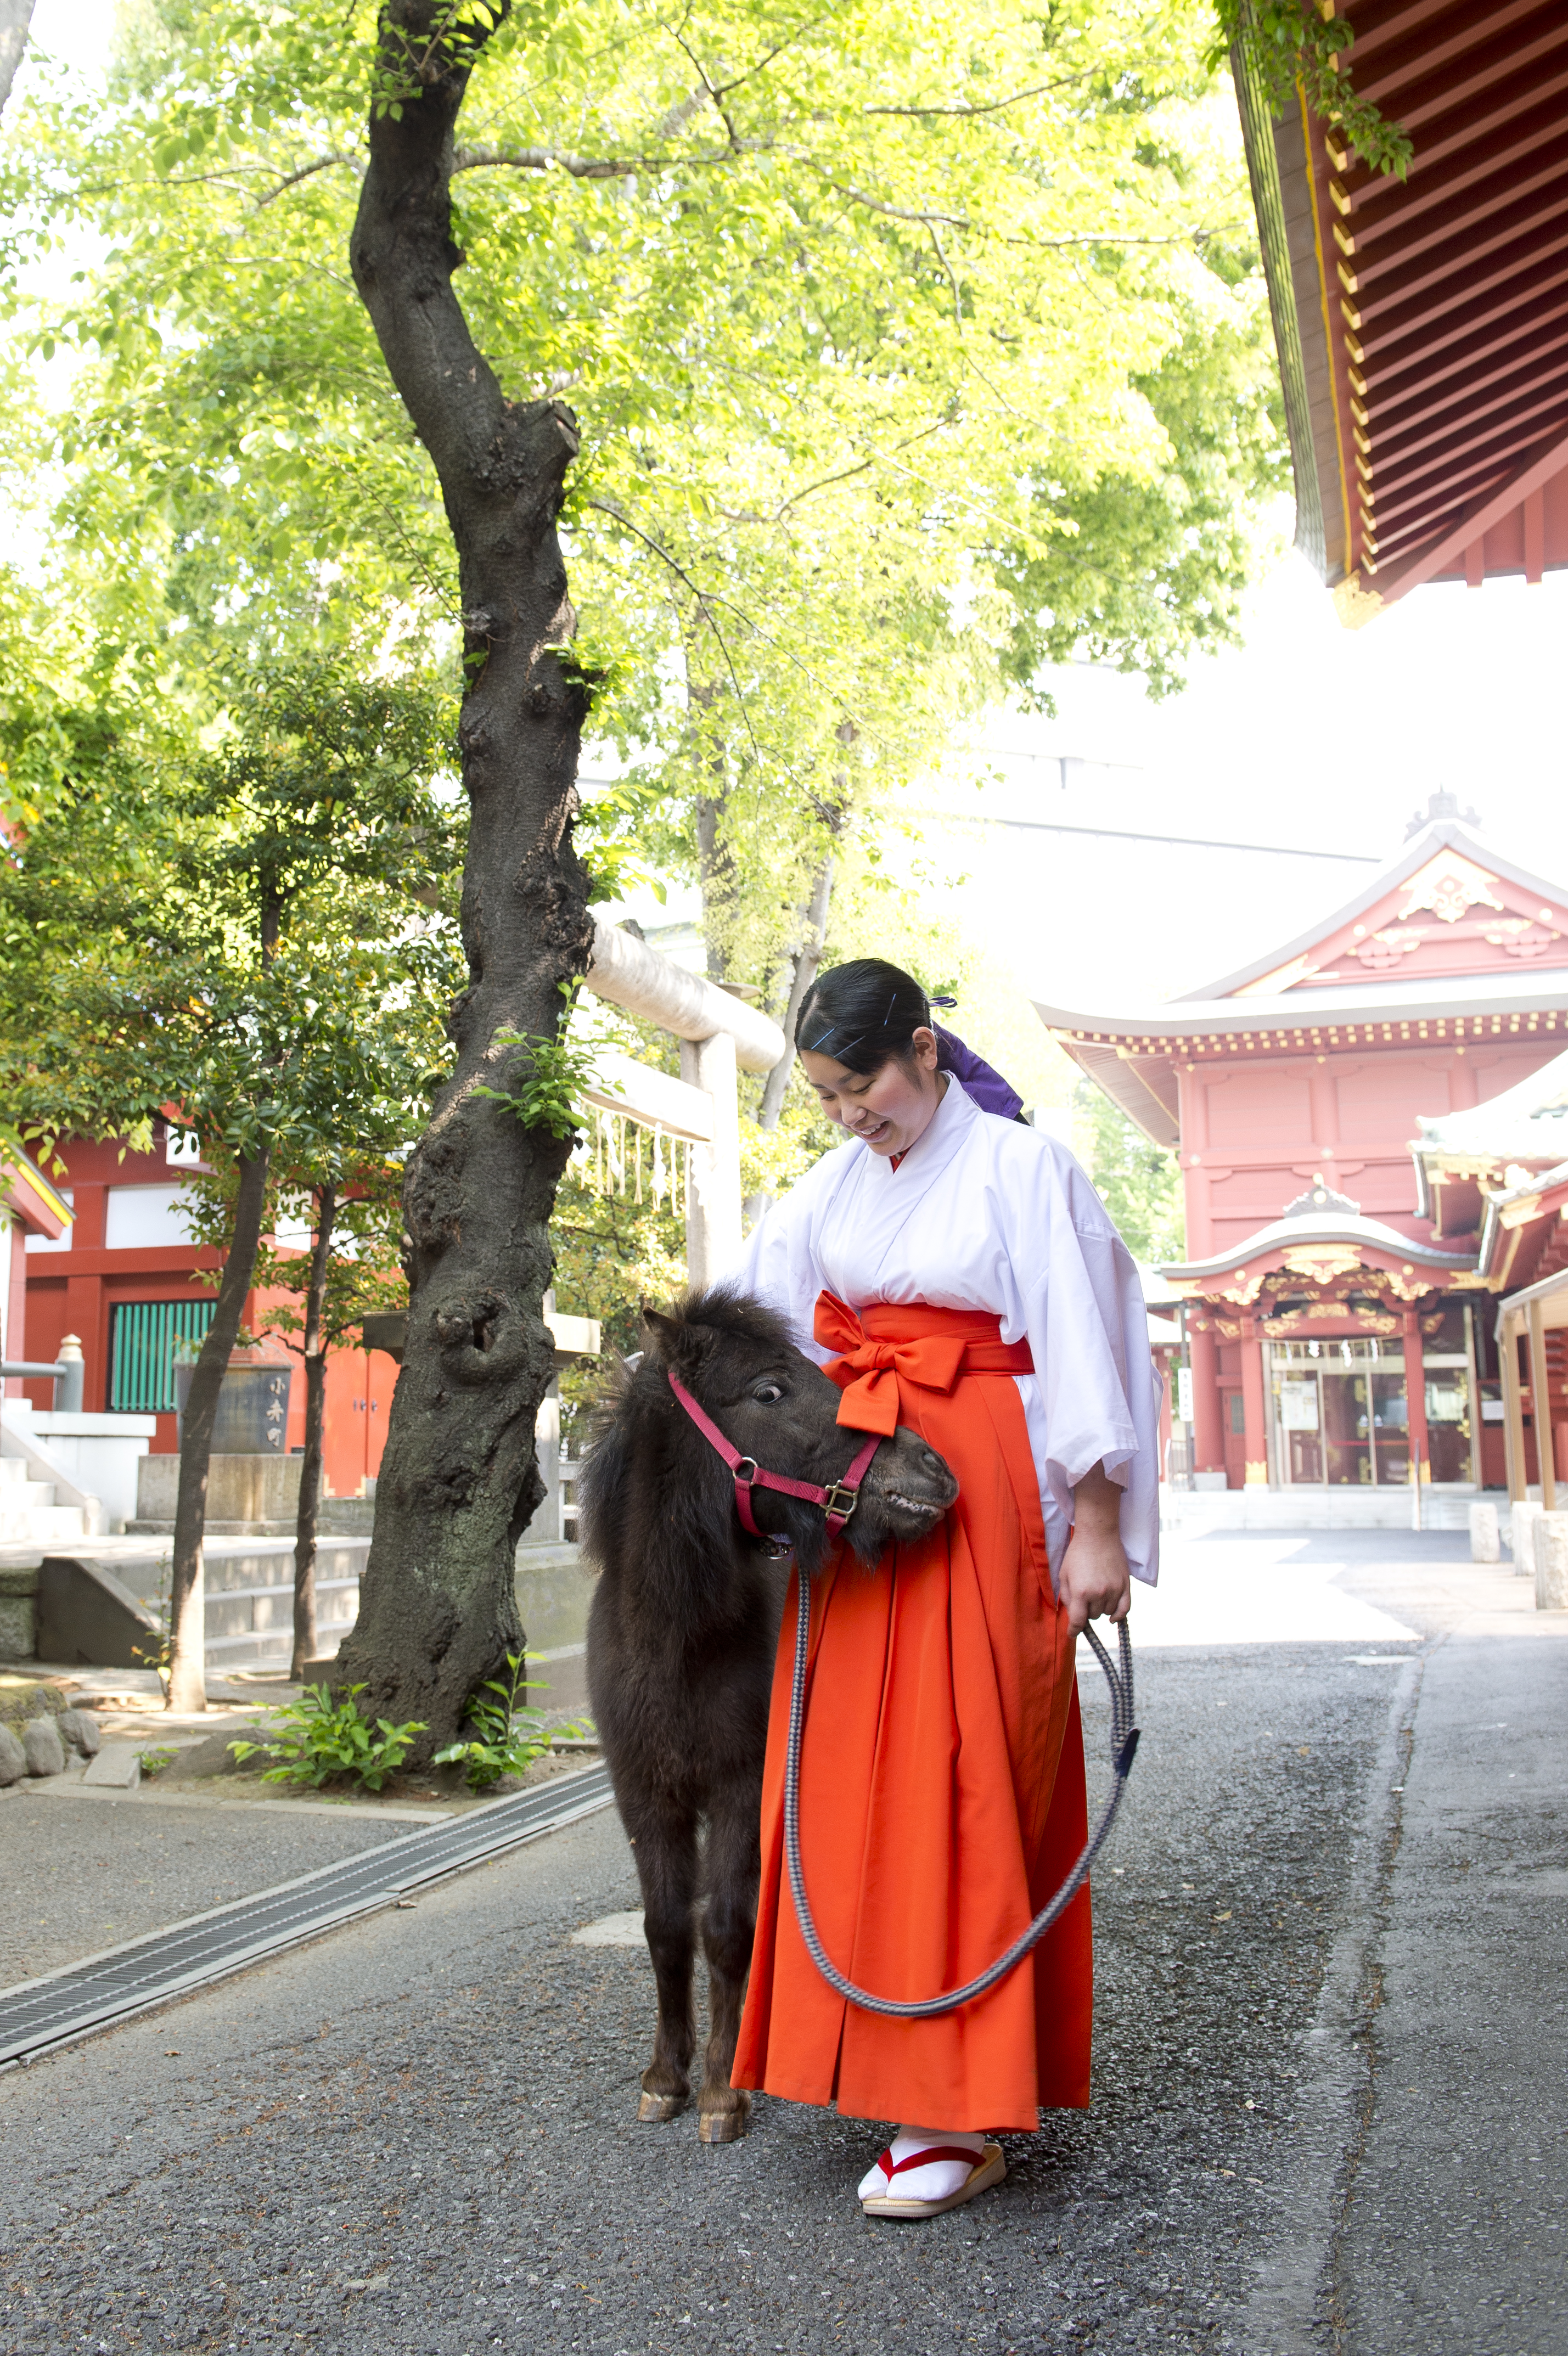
x=1340 y=1415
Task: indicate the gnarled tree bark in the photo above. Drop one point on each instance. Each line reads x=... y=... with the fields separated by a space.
x=313 y=1351
x=187 y=1594
x=15 y=16
x=458 y=1481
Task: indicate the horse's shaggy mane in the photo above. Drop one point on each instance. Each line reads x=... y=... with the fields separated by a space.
x=724 y=1309
x=718 y=1310
x=635 y=1410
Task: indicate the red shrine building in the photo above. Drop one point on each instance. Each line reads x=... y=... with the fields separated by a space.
x=101 y=1251
x=1351 y=1223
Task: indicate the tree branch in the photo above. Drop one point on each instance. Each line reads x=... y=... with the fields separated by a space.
x=404 y=260
x=705 y=604
x=952 y=281
x=707 y=599
x=292 y=180
x=996 y=106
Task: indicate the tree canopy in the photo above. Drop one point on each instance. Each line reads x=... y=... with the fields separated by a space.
x=911 y=352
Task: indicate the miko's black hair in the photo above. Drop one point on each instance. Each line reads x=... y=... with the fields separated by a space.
x=863 y=1014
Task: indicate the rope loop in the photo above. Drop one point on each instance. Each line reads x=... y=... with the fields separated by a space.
x=1123 y=1749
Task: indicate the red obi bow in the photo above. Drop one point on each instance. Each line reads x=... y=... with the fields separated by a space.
x=869 y=1371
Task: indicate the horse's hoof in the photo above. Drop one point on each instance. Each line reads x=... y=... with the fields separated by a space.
x=722 y=2126
x=653 y=2110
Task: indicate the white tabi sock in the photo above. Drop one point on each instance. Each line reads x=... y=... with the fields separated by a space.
x=932 y=2183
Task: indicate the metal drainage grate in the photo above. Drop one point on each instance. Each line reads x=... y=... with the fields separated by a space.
x=45 y=2013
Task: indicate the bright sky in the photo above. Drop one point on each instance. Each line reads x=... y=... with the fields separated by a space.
x=1309 y=736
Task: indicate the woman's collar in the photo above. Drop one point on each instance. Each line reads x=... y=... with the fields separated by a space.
x=952 y=1118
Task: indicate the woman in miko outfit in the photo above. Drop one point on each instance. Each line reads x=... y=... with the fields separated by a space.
x=954 y=1271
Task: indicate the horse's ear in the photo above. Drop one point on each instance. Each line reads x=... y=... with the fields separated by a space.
x=662 y=1332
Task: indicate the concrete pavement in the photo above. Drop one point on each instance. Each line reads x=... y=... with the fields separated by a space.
x=1339 y=1877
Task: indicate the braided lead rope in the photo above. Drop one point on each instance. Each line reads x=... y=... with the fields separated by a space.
x=1123 y=1747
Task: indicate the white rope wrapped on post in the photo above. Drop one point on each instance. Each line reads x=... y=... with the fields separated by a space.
x=717 y=1032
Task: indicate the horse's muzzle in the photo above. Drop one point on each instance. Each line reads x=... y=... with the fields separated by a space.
x=910 y=1485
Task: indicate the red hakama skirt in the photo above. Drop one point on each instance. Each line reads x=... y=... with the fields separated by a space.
x=942 y=1773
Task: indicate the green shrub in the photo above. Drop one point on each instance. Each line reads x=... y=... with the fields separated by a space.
x=316 y=1739
x=506 y=1739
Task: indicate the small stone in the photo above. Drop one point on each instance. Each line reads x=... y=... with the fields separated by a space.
x=1522 y=1519
x=1551 y=1536
x=80 y=1729
x=44 y=1751
x=1484 y=1536
x=118 y=1768
x=12 y=1758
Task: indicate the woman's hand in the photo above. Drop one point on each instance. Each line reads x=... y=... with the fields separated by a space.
x=1094 y=1578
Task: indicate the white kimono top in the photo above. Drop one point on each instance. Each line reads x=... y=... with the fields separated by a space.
x=988 y=1214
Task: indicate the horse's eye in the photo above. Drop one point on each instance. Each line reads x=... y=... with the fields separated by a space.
x=766 y=1393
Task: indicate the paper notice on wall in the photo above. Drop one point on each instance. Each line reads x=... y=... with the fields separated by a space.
x=1184 y=1394
x=1298 y=1407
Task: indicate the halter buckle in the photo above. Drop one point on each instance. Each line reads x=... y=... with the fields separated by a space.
x=745 y=1470
x=840 y=1501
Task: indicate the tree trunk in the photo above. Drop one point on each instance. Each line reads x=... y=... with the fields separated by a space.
x=188 y=1611
x=458 y=1481
x=807 y=957
x=16 y=16
x=714 y=872
x=305 y=1637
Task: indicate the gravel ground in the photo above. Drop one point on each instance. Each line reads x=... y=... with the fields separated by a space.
x=419 y=2135
x=77 y=1875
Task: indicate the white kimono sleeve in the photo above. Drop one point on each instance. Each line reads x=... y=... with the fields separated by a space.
x=1099 y=1394
x=777 y=1261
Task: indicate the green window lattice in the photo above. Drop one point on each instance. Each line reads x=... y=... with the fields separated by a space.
x=142 y=1336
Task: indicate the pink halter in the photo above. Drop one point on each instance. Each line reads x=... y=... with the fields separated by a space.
x=841 y=1500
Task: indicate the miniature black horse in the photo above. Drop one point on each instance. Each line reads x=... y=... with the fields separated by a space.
x=683 y=1628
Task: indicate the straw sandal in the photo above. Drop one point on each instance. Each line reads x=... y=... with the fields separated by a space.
x=988 y=2169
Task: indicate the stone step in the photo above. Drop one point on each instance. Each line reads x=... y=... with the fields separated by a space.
x=257 y=1611
x=41 y=1524
x=145 y=1529
x=250 y=1593
x=339 y=1517
x=18 y=1492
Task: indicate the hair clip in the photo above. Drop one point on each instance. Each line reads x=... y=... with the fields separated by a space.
x=943 y=1001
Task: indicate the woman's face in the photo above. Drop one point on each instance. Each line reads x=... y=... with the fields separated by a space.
x=889 y=1109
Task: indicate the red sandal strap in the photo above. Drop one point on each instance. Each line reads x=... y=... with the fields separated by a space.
x=924 y=2157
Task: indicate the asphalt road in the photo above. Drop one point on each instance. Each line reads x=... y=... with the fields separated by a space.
x=1339 y=1878
x=79 y=1874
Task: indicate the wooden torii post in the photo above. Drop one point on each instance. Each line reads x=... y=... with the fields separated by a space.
x=718 y=1033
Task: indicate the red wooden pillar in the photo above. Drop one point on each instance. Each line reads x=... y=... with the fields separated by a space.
x=1257 y=1473
x=1415 y=1397
x=1208 y=1440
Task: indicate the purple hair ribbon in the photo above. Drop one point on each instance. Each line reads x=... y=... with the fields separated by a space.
x=975 y=1076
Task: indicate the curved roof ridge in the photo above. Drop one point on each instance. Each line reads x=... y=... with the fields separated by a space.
x=1439 y=834
x=1333 y=1227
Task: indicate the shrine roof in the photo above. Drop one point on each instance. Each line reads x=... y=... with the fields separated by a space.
x=1332 y=1227
x=1444 y=871
x=1528 y=1122
x=29 y=1196
x=1423 y=323
x=1467 y=1004
x=1450 y=931
x=1540 y=1196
